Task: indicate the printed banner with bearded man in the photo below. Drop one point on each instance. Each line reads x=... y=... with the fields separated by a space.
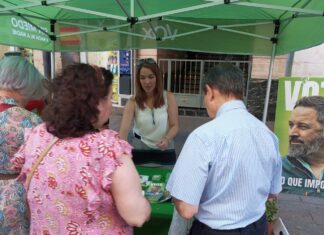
x=299 y=126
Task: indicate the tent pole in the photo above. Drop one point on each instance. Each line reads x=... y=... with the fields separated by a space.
x=132 y=9
x=289 y=64
x=90 y=12
x=29 y=5
x=53 y=63
x=281 y=8
x=133 y=72
x=186 y=9
x=53 y=38
x=266 y=101
x=248 y=83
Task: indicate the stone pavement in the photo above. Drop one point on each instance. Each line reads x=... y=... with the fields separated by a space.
x=301 y=215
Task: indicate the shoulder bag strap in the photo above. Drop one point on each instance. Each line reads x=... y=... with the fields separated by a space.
x=38 y=161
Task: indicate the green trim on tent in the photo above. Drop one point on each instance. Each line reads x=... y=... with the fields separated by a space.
x=220 y=26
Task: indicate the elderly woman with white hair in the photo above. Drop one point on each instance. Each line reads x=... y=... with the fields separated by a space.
x=20 y=82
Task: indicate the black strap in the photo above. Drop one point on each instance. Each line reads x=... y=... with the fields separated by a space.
x=137 y=136
x=143 y=156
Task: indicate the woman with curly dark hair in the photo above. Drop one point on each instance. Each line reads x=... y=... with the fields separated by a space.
x=86 y=183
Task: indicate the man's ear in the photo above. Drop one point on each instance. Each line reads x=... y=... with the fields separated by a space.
x=210 y=93
x=208 y=90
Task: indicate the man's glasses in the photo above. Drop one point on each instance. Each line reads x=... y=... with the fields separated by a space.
x=140 y=62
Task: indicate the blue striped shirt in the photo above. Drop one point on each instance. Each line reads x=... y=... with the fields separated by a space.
x=228 y=166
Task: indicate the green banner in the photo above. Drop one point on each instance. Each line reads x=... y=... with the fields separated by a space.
x=299 y=175
x=289 y=91
x=24 y=33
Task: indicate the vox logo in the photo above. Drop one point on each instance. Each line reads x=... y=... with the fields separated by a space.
x=161 y=31
x=294 y=90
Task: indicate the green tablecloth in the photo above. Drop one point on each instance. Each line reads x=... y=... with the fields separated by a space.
x=161 y=212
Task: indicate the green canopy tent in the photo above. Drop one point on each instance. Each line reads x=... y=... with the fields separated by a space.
x=252 y=27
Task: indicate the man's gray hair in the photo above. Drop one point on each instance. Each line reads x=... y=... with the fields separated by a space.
x=18 y=74
x=315 y=102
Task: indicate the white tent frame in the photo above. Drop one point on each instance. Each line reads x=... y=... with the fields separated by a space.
x=163 y=16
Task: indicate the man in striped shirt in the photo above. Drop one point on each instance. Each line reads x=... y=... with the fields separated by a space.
x=229 y=166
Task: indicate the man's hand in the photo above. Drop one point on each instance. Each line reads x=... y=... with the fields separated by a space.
x=272 y=197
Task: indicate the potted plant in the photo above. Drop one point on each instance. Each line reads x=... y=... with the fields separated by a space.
x=271 y=213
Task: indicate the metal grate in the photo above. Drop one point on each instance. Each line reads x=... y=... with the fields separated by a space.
x=183 y=78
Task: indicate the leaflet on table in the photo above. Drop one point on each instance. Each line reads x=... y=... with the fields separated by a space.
x=154 y=189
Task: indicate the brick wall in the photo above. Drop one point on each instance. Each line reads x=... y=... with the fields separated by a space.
x=3 y=50
x=261 y=65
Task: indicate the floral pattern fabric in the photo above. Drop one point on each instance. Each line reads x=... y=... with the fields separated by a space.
x=69 y=192
x=13 y=210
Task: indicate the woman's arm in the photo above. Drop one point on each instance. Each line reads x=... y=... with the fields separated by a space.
x=128 y=115
x=173 y=122
x=127 y=193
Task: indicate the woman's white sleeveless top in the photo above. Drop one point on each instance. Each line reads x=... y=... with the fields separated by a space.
x=151 y=124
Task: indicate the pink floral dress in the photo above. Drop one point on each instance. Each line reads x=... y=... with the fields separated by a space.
x=69 y=192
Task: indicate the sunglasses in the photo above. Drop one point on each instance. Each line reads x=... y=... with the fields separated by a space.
x=140 y=62
x=13 y=53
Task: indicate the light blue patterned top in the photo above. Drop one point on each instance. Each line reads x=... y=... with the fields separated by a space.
x=14 y=218
x=228 y=166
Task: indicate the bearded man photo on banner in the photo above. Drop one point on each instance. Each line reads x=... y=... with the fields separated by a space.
x=303 y=167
